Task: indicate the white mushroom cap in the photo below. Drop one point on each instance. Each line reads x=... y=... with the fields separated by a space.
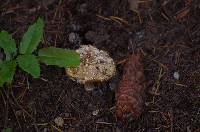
x=96 y=66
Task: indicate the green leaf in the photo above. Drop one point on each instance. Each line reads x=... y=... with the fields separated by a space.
x=8 y=44
x=29 y=64
x=7 y=130
x=7 y=71
x=32 y=37
x=59 y=57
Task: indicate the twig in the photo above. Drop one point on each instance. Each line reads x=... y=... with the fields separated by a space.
x=16 y=102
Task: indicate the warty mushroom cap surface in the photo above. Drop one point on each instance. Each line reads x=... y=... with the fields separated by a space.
x=96 y=66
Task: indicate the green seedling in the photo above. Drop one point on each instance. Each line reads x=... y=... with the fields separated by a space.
x=7 y=130
x=26 y=59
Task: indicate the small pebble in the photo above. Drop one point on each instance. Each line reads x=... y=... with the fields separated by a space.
x=139 y=37
x=74 y=38
x=83 y=8
x=75 y=27
x=176 y=75
x=94 y=113
x=140 y=34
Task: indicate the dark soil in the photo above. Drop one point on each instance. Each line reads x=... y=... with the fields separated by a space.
x=166 y=31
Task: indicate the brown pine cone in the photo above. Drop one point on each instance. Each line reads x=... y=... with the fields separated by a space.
x=129 y=96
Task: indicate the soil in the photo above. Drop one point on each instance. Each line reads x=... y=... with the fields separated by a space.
x=167 y=32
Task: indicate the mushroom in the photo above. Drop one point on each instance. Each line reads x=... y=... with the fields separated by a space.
x=96 y=66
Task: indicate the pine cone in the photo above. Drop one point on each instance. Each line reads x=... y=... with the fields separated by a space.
x=129 y=96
